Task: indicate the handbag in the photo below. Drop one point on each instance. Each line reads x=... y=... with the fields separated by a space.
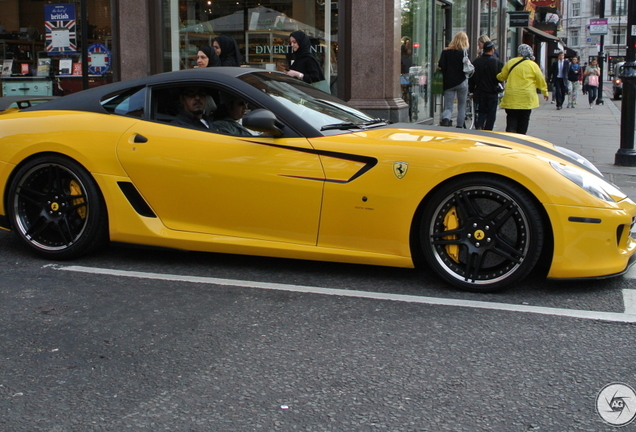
x=438 y=83
x=592 y=80
x=469 y=69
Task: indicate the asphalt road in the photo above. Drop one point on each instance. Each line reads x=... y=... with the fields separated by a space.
x=117 y=350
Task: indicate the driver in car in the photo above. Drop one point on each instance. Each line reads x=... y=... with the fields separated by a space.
x=192 y=112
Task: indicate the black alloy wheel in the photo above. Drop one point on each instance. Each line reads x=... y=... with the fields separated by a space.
x=55 y=207
x=482 y=233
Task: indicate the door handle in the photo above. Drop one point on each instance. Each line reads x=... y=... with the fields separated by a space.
x=140 y=139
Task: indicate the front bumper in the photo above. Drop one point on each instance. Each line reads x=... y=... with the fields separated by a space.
x=592 y=242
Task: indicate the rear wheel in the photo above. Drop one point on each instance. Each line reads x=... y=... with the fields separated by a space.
x=55 y=207
x=482 y=233
x=469 y=121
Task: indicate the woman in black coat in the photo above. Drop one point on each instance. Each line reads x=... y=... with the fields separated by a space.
x=228 y=51
x=303 y=64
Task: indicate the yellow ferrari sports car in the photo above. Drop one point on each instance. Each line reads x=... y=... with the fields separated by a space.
x=248 y=161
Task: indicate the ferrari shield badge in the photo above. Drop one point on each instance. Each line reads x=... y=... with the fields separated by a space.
x=400 y=169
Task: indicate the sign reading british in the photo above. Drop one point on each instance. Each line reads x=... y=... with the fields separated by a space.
x=60 y=23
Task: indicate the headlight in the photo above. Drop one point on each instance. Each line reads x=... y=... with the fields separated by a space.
x=577 y=157
x=590 y=183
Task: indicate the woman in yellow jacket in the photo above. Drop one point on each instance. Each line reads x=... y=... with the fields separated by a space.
x=523 y=77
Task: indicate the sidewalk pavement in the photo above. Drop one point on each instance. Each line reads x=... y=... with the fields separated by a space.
x=593 y=133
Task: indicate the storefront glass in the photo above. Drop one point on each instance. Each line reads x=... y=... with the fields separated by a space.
x=260 y=28
x=489 y=23
x=41 y=46
x=417 y=57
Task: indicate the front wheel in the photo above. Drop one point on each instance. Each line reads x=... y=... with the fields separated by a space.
x=482 y=233
x=55 y=207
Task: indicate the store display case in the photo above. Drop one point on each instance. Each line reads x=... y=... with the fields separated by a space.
x=267 y=49
x=19 y=74
x=27 y=85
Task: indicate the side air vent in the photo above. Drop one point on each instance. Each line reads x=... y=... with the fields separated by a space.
x=136 y=200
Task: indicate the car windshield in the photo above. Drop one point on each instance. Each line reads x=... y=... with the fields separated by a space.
x=327 y=113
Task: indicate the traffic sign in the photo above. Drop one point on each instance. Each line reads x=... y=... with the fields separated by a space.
x=598 y=27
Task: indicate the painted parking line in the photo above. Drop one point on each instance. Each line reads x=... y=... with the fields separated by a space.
x=571 y=313
x=629 y=295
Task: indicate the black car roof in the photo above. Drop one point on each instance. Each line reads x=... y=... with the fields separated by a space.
x=89 y=100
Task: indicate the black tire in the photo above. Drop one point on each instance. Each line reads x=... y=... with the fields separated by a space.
x=56 y=209
x=482 y=233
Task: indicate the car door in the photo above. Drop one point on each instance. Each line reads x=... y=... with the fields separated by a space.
x=204 y=182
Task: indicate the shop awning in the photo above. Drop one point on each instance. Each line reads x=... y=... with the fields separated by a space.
x=542 y=35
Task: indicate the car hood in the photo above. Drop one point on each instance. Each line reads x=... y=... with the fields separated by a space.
x=417 y=134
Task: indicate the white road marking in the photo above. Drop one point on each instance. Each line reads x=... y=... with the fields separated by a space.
x=629 y=295
x=628 y=317
x=629 y=299
x=631 y=273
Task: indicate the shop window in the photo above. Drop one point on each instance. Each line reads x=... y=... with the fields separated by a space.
x=42 y=40
x=261 y=30
x=417 y=56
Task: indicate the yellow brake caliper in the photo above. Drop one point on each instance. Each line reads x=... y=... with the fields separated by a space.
x=77 y=190
x=451 y=222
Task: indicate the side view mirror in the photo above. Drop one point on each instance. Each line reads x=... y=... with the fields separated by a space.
x=262 y=120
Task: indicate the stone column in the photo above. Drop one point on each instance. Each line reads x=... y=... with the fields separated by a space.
x=373 y=47
x=134 y=39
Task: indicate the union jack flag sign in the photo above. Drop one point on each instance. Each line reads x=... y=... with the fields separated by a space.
x=99 y=59
x=61 y=37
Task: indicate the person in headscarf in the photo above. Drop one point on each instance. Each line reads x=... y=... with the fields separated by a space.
x=523 y=77
x=302 y=63
x=206 y=57
x=228 y=51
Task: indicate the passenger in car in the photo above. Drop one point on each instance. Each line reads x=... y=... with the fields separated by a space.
x=192 y=112
x=228 y=116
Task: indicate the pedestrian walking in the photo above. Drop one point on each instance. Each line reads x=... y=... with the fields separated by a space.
x=523 y=76
x=558 y=77
x=451 y=63
x=592 y=81
x=485 y=86
x=574 y=77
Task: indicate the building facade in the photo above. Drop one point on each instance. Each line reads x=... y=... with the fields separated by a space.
x=576 y=29
x=379 y=55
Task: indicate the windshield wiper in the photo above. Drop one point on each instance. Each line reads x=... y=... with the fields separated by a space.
x=376 y=121
x=341 y=126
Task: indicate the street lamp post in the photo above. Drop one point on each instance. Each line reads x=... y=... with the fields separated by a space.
x=601 y=55
x=626 y=155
